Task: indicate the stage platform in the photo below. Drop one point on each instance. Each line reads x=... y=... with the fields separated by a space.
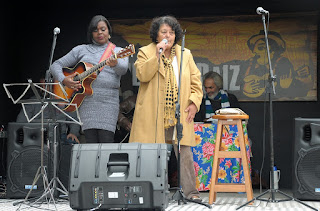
x=225 y=202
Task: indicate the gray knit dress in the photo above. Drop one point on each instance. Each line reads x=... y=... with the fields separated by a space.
x=101 y=109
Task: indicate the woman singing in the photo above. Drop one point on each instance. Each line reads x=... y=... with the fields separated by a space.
x=157 y=68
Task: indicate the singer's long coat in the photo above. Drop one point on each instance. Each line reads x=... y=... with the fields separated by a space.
x=148 y=121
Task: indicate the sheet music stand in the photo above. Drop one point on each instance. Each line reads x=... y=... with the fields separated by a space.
x=49 y=187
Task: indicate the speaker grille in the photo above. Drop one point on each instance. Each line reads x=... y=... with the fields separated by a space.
x=308 y=170
x=23 y=168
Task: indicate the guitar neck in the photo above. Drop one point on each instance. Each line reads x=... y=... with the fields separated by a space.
x=129 y=50
x=95 y=68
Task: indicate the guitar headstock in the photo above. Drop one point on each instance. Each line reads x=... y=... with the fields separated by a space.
x=127 y=51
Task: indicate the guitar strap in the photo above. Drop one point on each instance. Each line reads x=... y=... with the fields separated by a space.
x=107 y=53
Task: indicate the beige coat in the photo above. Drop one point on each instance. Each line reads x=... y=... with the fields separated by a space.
x=148 y=121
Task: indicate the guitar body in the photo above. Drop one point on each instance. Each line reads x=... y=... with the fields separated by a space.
x=86 y=74
x=76 y=97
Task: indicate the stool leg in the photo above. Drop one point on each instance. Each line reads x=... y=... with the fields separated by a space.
x=244 y=162
x=215 y=165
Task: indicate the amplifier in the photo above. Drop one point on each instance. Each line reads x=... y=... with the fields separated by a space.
x=129 y=176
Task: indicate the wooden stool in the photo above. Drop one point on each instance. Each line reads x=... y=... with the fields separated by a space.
x=230 y=187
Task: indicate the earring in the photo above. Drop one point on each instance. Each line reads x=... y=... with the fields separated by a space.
x=109 y=37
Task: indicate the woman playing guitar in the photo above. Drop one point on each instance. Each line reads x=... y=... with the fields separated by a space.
x=99 y=109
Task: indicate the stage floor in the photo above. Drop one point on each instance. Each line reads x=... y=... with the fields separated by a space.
x=225 y=202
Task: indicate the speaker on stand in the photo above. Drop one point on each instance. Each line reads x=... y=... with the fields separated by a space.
x=24 y=157
x=306 y=159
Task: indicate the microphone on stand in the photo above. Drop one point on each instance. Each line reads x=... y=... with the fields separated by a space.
x=260 y=11
x=56 y=31
x=165 y=42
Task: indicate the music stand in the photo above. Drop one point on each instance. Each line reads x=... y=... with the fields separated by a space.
x=41 y=172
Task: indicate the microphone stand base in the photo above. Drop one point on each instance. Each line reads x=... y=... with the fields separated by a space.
x=179 y=196
x=273 y=200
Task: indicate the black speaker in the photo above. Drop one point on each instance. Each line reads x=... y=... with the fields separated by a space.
x=64 y=164
x=24 y=157
x=122 y=176
x=306 y=159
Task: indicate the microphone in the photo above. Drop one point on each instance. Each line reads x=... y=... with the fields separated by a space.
x=166 y=42
x=260 y=11
x=56 y=31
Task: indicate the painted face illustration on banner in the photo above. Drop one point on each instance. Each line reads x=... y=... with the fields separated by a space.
x=260 y=52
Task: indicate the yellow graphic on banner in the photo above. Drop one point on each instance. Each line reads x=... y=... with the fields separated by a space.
x=235 y=47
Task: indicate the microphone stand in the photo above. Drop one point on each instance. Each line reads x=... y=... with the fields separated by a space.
x=48 y=76
x=271 y=88
x=41 y=171
x=51 y=187
x=179 y=195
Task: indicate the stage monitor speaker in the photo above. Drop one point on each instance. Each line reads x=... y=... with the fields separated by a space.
x=119 y=176
x=306 y=159
x=24 y=158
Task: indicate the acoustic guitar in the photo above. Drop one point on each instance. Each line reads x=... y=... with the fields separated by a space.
x=85 y=74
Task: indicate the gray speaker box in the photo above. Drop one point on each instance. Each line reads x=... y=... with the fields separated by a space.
x=129 y=176
x=306 y=159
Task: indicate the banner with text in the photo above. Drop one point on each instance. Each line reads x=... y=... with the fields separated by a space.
x=235 y=47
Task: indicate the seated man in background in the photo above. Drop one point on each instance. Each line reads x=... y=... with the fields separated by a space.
x=215 y=98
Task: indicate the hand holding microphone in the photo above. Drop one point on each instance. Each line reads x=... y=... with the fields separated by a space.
x=162 y=45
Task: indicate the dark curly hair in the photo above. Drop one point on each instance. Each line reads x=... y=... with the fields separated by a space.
x=171 y=21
